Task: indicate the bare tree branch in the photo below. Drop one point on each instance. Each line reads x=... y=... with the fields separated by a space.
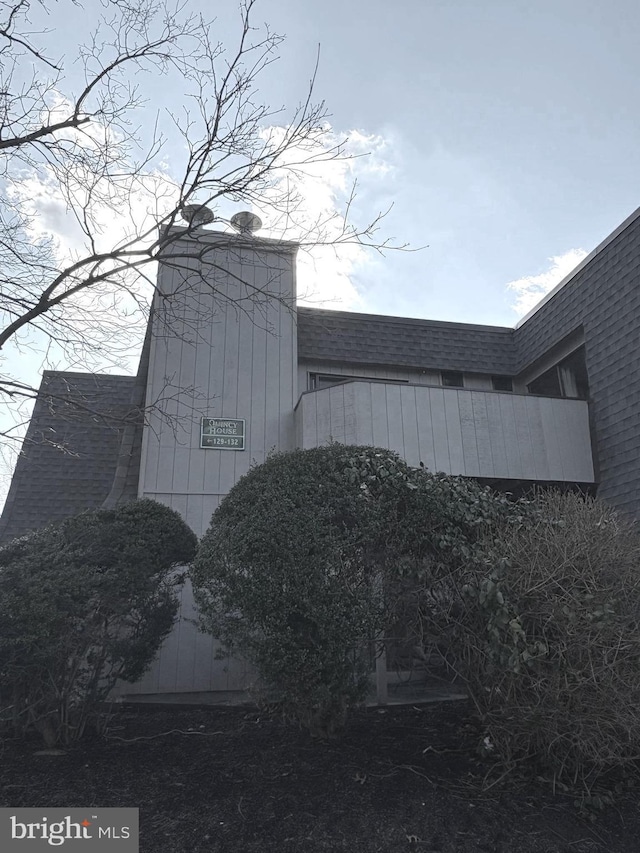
x=85 y=147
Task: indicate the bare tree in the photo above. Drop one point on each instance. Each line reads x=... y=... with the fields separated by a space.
x=80 y=128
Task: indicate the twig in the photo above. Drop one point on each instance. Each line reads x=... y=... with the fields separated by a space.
x=161 y=734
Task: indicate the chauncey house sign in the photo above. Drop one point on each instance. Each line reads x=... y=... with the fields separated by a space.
x=222 y=433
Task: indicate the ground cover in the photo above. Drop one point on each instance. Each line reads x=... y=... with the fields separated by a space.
x=237 y=779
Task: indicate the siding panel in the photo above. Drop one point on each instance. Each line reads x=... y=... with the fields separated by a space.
x=480 y=415
x=223 y=355
x=410 y=425
x=439 y=430
x=499 y=464
x=471 y=433
x=471 y=464
x=379 y=423
x=454 y=431
x=394 y=418
x=426 y=447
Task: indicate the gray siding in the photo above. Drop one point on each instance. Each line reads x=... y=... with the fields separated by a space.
x=470 y=433
x=223 y=346
x=604 y=299
x=211 y=358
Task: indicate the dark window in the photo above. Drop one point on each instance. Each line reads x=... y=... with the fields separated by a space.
x=567 y=379
x=548 y=384
x=452 y=379
x=318 y=381
x=502 y=383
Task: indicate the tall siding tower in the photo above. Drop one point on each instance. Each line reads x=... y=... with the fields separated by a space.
x=221 y=391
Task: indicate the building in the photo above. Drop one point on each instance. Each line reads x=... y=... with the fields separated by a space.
x=231 y=369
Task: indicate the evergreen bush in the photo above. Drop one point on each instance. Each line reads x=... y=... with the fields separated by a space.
x=534 y=604
x=311 y=556
x=84 y=603
x=288 y=573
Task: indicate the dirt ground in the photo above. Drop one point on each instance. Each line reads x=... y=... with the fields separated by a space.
x=235 y=779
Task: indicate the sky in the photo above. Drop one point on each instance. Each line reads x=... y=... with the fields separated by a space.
x=511 y=130
x=505 y=133
x=505 y=136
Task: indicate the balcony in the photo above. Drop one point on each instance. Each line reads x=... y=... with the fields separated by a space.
x=483 y=434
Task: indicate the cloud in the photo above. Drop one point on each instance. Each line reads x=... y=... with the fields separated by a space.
x=311 y=201
x=530 y=289
x=103 y=325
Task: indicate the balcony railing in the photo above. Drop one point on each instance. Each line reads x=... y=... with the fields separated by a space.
x=458 y=431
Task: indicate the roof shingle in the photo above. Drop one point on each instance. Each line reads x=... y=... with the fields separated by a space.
x=397 y=341
x=70 y=452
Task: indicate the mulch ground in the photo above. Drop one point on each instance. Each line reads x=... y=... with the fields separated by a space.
x=234 y=779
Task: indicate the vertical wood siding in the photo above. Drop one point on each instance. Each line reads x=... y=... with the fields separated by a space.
x=472 y=433
x=213 y=358
x=220 y=360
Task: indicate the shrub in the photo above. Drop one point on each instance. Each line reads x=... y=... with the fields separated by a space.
x=315 y=553
x=442 y=533
x=84 y=603
x=548 y=640
x=288 y=573
x=535 y=604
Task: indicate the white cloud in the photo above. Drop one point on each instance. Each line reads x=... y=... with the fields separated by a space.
x=317 y=181
x=530 y=289
x=319 y=212
x=116 y=317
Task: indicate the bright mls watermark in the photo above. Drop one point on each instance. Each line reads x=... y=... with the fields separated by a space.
x=79 y=830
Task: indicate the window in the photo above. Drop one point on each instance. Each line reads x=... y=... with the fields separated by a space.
x=318 y=381
x=548 y=384
x=574 y=380
x=566 y=379
x=502 y=383
x=452 y=379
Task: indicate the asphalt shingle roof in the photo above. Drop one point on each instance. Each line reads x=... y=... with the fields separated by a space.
x=396 y=341
x=70 y=452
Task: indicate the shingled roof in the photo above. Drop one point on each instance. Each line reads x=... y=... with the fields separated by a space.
x=70 y=452
x=339 y=336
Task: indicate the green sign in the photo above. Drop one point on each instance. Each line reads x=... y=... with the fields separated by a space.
x=222 y=434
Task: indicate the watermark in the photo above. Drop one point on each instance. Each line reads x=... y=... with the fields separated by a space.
x=73 y=830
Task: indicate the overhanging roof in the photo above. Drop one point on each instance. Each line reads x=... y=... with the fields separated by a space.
x=340 y=336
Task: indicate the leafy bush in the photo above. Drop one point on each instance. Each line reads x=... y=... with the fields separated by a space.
x=548 y=639
x=288 y=573
x=535 y=604
x=442 y=531
x=314 y=554
x=84 y=603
